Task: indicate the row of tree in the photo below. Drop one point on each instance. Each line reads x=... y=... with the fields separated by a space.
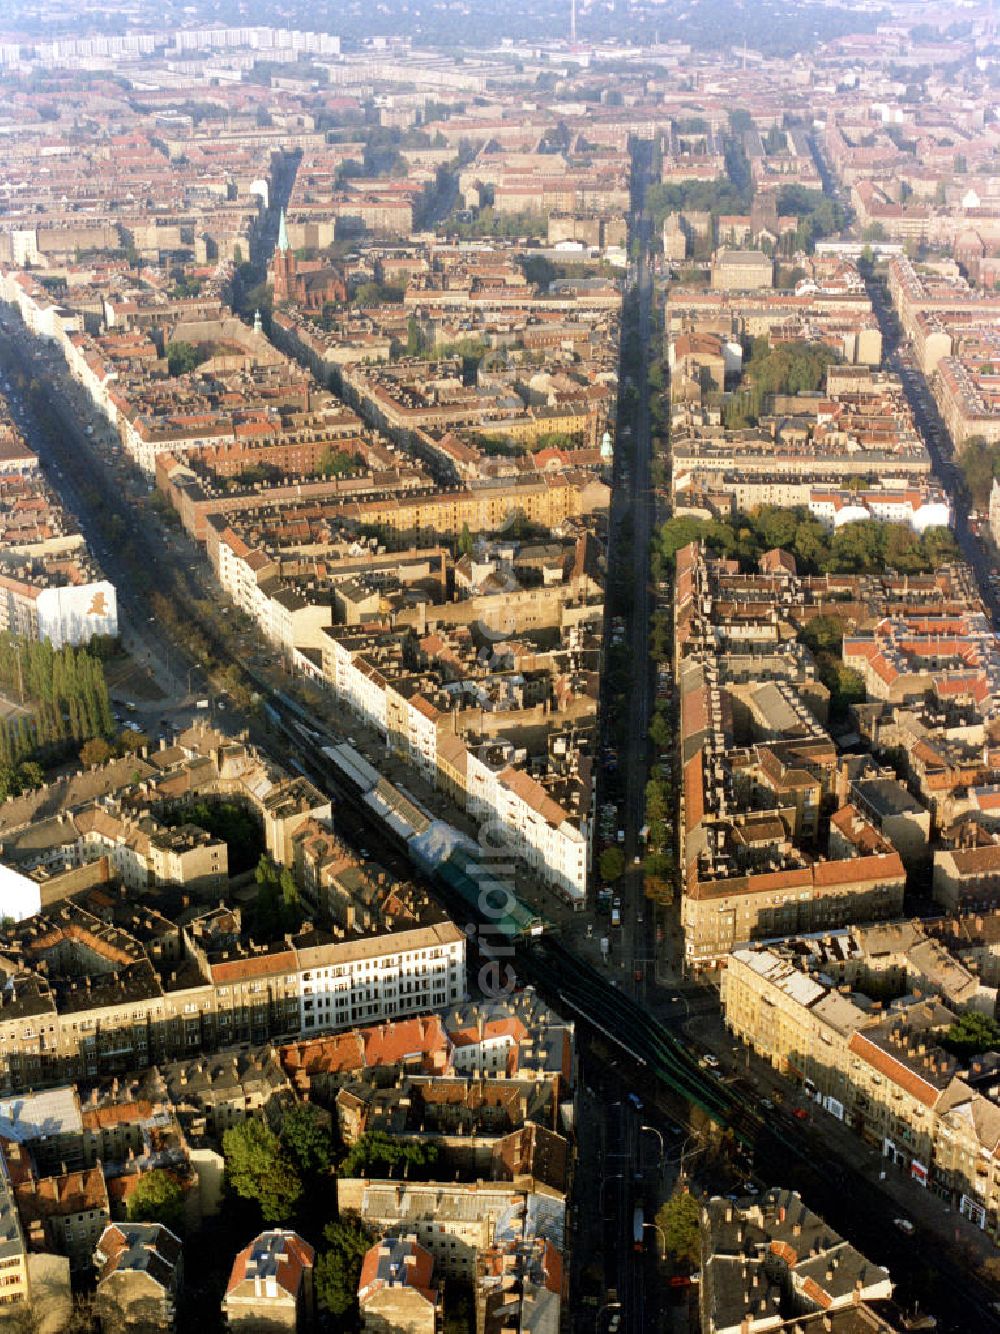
x=980 y=464
x=68 y=692
x=855 y=548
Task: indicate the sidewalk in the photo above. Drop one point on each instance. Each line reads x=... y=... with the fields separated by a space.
x=968 y=1244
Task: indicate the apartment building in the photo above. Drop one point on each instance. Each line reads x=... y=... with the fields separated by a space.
x=397 y=1289
x=741 y=270
x=856 y=1018
x=772 y=1264
x=212 y=990
x=453 y=1221
x=14 y=1286
x=271 y=1284
x=139 y=1271
x=752 y=863
x=65 y=1213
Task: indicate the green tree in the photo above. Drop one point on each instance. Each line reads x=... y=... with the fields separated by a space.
x=289 y=891
x=680 y=532
x=182 y=358
x=238 y=827
x=660 y=730
x=258 y=1167
x=130 y=743
x=338 y=462
x=276 y=909
x=856 y=549
x=903 y=549
x=338 y=1267
x=939 y=547
x=377 y=1152
x=980 y=463
x=846 y=686
x=539 y=271
x=972 y=1033
x=415 y=342
x=306 y=1135
x=158 y=1197
x=680 y=1219
x=657 y=805
x=777 y=526
x=811 y=547
x=611 y=864
x=30 y=775
x=465 y=541
x=824 y=634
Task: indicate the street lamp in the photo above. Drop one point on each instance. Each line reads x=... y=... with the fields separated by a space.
x=660 y=1233
x=616 y=1176
x=685 y=1151
x=608 y=1306
x=653 y=1131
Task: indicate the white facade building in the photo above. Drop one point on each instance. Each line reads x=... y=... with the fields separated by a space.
x=917 y=509
x=368 y=980
x=20 y=896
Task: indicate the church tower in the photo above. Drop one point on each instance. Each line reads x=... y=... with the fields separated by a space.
x=284 y=265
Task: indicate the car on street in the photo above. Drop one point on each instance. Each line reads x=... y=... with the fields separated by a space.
x=800 y=1114
x=709 y=1062
x=905 y=1225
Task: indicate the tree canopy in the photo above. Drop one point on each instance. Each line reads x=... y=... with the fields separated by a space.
x=855 y=548
x=67 y=691
x=972 y=1033
x=718 y=196
x=789 y=368
x=980 y=464
x=376 y=1151
x=260 y=1168
x=611 y=863
x=338 y=1266
x=818 y=214
x=339 y=462
x=680 y=1219
x=157 y=1197
x=183 y=358
x=276 y=909
x=237 y=826
x=306 y=1134
x=95 y=751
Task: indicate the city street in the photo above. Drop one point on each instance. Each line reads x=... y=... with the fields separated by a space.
x=935 y=436
x=94 y=491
